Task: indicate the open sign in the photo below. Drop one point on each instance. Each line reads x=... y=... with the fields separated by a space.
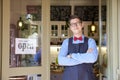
x=25 y=46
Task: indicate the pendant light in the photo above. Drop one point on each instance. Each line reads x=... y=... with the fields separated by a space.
x=93 y=26
x=20 y=23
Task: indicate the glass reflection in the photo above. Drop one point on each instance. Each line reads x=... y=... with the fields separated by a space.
x=25 y=33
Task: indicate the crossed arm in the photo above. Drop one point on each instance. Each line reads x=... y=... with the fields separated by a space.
x=90 y=50
x=76 y=58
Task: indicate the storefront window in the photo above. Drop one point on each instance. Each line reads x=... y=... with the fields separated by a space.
x=25 y=33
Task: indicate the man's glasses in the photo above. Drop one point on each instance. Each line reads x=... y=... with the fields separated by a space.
x=75 y=24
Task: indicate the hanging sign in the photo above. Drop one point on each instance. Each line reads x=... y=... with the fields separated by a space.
x=25 y=46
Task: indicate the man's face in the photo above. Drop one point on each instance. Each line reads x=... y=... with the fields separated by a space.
x=76 y=26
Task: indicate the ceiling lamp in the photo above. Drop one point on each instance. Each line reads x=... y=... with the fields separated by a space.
x=20 y=23
x=93 y=26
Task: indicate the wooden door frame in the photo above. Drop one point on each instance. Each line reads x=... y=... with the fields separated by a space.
x=0 y=37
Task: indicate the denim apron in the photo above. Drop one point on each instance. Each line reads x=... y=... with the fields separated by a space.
x=82 y=71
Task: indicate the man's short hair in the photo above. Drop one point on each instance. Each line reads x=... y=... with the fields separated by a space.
x=75 y=16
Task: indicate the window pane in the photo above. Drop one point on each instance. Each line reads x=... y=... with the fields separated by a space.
x=25 y=33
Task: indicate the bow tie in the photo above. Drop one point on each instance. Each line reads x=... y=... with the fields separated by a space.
x=80 y=38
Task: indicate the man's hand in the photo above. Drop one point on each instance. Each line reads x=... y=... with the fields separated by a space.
x=69 y=56
x=89 y=50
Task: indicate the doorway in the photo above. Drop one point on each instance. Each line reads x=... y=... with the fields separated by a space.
x=89 y=10
x=111 y=72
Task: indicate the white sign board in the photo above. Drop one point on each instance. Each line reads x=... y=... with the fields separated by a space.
x=25 y=46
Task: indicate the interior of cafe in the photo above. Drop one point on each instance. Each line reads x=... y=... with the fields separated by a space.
x=36 y=32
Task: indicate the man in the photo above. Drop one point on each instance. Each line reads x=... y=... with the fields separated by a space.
x=78 y=53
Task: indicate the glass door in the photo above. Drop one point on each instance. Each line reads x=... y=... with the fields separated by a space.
x=23 y=40
x=25 y=34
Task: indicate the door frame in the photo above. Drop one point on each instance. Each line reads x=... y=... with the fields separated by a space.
x=113 y=43
x=0 y=37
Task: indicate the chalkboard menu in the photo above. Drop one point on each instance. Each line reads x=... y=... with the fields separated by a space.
x=88 y=13
x=60 y=13
x=35 y=11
